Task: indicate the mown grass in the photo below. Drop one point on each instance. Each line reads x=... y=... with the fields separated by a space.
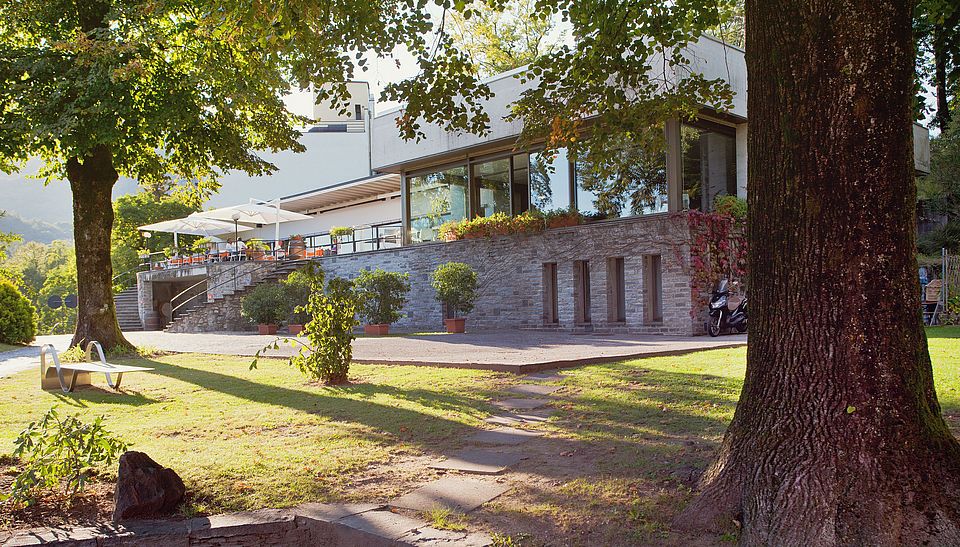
x=622 y=454
x=243 y=439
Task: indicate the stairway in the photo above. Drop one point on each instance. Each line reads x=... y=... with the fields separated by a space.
x=128 y=310
x=223 y=311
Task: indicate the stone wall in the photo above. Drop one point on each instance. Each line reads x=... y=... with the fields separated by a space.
x=510 y=270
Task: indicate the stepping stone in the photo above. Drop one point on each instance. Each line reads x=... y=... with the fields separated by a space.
x=455 y=493
x=503 y=435
x=333 y=511
x=520 y=404
x=382 y=523
x=520 y=418
x=544 y=377
x=479 y=462
x=431 y=537
x=534 y=389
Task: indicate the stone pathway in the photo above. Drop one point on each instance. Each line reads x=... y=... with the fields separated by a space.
x=492 y=452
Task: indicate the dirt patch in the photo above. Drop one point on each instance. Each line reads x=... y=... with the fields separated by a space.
x=93 y=505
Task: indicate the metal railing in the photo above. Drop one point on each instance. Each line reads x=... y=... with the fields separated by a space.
x=363 y=239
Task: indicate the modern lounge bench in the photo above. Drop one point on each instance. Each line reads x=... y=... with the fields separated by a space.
x=52 y=377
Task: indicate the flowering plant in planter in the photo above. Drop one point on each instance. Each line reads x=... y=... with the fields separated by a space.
x=562 y=218
x=383 y=295
x=456 y=286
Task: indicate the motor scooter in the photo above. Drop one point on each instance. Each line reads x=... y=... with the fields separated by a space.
x=721 y=316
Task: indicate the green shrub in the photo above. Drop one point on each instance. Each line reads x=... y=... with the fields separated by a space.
x=266 y=304
x=497 y=224
x=337 y=233
x=60 y=451
x=18 y=323
x=326 y=354
x=731 y=206
x=944 y=237
x=297 y=286
x=383 y=295
x=456 y=286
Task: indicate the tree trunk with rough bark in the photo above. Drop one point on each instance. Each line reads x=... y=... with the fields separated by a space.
x=91 y=181
x=838 y=437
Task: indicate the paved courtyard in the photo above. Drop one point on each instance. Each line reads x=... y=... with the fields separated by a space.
x=513 y=350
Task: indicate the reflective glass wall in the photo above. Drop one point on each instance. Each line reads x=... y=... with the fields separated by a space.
x=550 y=181
x=709 y=164
x=435 y=198
x=634 y=185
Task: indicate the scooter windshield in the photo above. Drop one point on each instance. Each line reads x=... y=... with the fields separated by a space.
x=722 y=286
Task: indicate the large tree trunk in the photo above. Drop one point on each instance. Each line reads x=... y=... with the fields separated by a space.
x=940 y=56
x=838 y=437
x=91 y=180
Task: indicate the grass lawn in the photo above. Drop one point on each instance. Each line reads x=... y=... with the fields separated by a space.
x=620 y=459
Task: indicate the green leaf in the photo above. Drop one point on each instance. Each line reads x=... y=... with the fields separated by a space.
x=851 y=409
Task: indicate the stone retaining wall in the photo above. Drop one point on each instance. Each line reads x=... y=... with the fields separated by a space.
x=510 y=270
x=310 y=524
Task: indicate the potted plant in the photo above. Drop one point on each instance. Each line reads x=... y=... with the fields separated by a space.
x=383 y=295
x=256 y=249
x=456 y=286
x=266 y=305
x=338 y=234
x=562 y=218
x=296 y=247
x=297 y=286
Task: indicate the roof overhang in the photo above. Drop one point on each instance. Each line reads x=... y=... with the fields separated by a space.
x=343 y=193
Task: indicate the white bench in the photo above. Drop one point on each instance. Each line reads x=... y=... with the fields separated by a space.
x=51 y=377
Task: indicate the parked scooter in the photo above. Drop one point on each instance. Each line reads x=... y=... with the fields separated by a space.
x=721 y=317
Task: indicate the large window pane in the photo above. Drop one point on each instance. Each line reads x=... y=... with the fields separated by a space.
x=493 y=184
x=436 y=198
x=709 y=165
x=630 y=182
x=549 y=181
x=521 y=183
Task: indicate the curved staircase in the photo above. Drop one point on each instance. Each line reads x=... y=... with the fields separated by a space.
x=223 y=313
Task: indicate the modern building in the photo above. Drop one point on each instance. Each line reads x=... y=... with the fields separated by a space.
x=627 y=269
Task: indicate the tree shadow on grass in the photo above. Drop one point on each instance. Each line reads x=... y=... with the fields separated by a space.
x=84 y=396
x=336 y=404
x=943 y=332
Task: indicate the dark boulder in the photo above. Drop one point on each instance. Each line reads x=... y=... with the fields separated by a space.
x=145 y=488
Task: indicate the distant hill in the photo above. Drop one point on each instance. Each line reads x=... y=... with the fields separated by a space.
x=36 y=230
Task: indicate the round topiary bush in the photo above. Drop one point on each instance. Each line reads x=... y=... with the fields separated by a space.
x=18 y=323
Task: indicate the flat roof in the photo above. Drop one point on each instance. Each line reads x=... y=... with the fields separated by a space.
x=344 y=192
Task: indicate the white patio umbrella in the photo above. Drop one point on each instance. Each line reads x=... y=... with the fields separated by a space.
x=255 y=212
x=194 y=226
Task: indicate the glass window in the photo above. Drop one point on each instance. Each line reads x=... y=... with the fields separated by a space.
x=520 y=182
x=709 y=165
x=549 y=181
x=436 y=198
x=492 y=180
x=631 y=182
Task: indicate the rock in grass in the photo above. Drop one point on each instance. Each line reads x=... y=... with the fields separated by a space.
x=145 y=488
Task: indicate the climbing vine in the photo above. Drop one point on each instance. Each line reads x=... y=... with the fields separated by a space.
x=718 y=250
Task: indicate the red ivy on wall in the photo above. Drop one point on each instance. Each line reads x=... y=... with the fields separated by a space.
x=718 y=250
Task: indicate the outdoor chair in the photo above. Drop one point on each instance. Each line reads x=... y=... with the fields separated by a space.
x=932 y=302
x=52 y=377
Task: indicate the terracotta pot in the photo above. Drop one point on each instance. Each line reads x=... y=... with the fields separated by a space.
x=381 y=329
x=254 y=254
x=457 y=325
x=267 y=329
x=295 y=329
x=298 y=249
